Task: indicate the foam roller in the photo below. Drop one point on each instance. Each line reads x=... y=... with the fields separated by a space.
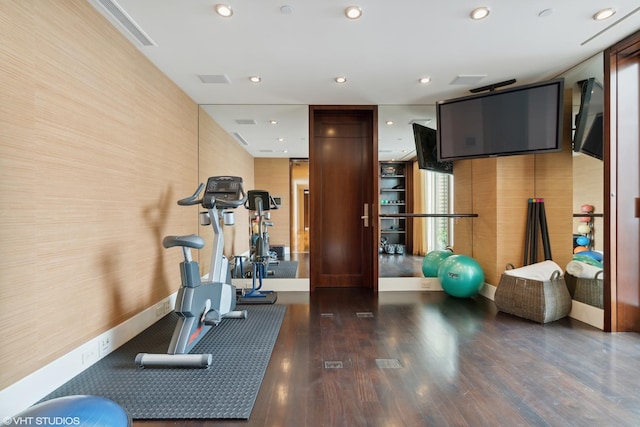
x=149 y=360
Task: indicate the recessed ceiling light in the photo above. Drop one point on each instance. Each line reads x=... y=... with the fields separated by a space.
x=280 y=139
x=389 y=122
x=353 y=12
x=273 y=122
x=479 y=13
x=223 y=10
x=341 y=79
x=255 y=79
x=424 y=80
x=604 y=14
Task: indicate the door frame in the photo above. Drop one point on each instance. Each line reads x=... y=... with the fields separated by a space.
x=619 y=315
x=372 y=192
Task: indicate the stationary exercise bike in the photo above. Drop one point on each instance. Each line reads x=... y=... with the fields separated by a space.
x=202 y=305
x=259 y=202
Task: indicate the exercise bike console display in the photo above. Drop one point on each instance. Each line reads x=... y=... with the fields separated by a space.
x=224 y=191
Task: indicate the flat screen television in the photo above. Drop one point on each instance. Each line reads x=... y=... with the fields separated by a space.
x=427 y=150
x=589 y=134
x=521 y=120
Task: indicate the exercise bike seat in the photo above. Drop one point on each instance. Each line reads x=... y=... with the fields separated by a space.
x=190 y=241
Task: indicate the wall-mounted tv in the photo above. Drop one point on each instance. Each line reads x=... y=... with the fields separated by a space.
x=426 y=150
x=589 y=134
x=521 y=120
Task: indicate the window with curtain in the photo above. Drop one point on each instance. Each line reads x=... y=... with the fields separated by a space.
x=433 y=195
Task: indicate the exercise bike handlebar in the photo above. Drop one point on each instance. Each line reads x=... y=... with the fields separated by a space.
x=227 y=192
x=192 y=200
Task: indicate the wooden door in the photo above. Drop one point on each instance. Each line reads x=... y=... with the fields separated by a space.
x=342 y=156
x=622 y=186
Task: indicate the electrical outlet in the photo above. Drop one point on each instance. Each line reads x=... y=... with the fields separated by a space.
x=426 y=284
x=105 y=346
x=159 y=311
x=167 y=306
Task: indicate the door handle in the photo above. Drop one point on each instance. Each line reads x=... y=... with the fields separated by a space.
x=637 y=207
x=365 y=215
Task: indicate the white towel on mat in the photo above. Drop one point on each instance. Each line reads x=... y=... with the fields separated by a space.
x=583 y=270
x=541 y=271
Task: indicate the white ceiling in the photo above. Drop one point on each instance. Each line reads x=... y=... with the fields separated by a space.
x=382 y=55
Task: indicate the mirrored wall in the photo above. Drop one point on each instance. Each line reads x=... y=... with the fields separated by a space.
x=588 y=183
x=397 y=145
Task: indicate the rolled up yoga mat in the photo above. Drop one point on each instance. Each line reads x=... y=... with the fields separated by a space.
x=582 y=269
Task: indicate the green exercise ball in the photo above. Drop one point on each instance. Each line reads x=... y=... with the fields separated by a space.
x=432 y=261
x=461 y=276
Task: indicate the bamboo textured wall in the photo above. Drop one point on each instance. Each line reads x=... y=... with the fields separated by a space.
x=272 y=175
x=96 y=147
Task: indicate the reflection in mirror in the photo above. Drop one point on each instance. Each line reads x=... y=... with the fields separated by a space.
x=271 y=133
x=588 y=189
x=405 y=188
x=299 y=188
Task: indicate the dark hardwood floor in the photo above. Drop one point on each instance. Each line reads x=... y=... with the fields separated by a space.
x=349 y=358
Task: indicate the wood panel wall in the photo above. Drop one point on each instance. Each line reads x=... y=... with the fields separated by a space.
x=96 y=147
x=463 y=203
x=272 y=175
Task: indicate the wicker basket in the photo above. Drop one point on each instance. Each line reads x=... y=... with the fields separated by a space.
x=540 y=301
x=588 y=291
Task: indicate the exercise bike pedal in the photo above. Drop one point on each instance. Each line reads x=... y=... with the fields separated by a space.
x=212 y=318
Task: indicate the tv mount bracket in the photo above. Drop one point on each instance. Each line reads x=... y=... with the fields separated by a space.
x=493 y=87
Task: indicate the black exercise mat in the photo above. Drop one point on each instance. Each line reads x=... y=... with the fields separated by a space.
x=241 y=350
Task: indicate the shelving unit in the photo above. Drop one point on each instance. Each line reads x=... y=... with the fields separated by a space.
x=395 y=198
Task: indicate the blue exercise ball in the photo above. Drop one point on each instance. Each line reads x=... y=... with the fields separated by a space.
x=461 y=276
x=431 y=262
x=582 y=240
x=81 y=410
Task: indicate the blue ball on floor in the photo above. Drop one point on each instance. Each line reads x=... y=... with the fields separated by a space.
x=461 y=276
x=431 y=262
x=81 y=410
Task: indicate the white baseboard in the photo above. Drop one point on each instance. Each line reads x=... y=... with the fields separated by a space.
x=384 y=284
x=588 y=314
x=32 y=388
x=275 y=284
x=488 y=291
x=390 y=284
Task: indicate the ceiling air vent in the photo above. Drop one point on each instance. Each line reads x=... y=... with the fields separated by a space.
x=127 y=22
x=214 y=79
x=240 y=138
x=245 y=121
